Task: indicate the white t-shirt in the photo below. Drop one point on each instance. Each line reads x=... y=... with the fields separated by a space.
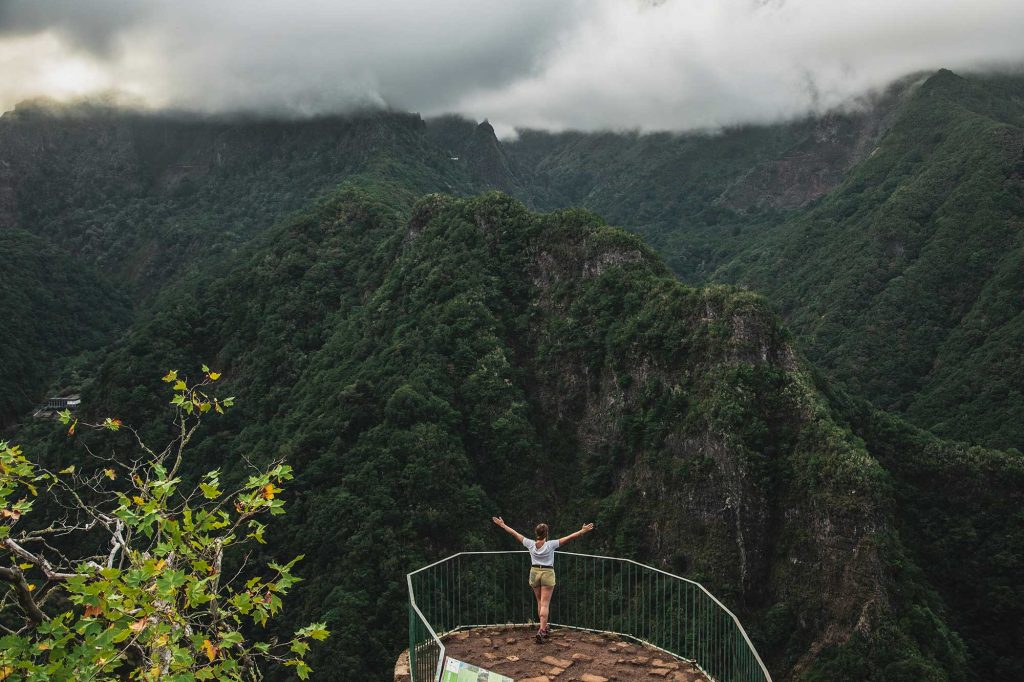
x=545 y=556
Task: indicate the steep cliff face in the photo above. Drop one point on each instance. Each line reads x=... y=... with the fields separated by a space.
x=702 y=441
x=426 y=367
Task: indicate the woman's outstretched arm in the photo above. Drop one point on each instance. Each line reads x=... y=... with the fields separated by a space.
x=498 y=521
x=587 y=527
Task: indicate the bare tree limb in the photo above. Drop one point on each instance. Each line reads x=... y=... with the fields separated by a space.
x=23 y=591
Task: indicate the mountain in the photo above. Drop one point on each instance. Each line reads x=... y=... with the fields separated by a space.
x=889 y=233
x=905 y=281
x=697 y=197
x=425 y=362
x=102 y=208
x=424 y=366
x=478 y=149
x=149 y=197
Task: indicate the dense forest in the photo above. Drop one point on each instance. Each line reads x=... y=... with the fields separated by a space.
x=424 y=361
x=52 y=307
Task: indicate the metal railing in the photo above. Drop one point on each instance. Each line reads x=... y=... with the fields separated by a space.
x=594 y=593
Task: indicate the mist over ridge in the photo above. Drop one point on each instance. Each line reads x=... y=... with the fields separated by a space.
x=568 y=65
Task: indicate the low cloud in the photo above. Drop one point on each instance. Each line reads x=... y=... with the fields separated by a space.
x=590 y=64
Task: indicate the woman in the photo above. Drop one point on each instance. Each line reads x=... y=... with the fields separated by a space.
x=542 y=572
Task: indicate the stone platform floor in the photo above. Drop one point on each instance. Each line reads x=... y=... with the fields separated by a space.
x=568 y=656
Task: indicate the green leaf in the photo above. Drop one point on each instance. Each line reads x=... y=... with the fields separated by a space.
x=301 y=669
x=317 y=631
x=169 y=581
x=231 y=638
x=210 y=492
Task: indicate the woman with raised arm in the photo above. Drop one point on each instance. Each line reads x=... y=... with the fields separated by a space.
x=542 y=571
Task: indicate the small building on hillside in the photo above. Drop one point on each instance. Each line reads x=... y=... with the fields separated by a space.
x=70 y=402
x=58 y=404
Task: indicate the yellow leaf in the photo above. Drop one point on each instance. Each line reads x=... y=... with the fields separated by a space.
x=44 y=646
x=6 y=672
x=68 y=470
x=138 y=625
x=171 y=376
x=109 y=473
x=214 y=376
x=180 y=385
x=269 y=490
x=210 y=649
x=31 y=587
x=138 y=500
x=25 y=567
x=160 y=565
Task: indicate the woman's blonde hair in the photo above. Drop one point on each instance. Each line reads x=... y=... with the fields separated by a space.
x=541 y=531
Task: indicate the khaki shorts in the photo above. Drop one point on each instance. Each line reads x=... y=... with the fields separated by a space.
x=542 y=577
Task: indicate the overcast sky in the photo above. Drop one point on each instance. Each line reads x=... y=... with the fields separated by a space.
x=591 y=64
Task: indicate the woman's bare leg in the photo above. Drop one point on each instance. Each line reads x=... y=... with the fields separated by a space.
x=544 y=602
x=536 y=593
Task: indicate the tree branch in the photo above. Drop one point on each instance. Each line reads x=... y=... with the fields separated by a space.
x=15 y=577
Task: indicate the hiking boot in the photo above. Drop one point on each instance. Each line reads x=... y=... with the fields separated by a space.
x=541 y=637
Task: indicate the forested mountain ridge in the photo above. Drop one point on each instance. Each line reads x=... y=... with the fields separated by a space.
x=101 y=208
x=425 y=366
x=905 y=282
x=145 y=195
x=889 y=233
x=929 y=165
x=697 y=196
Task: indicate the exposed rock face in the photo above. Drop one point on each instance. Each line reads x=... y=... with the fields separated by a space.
x=817 y=164
x=758 y=531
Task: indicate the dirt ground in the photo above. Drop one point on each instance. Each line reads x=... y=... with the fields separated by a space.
x=568 y=656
